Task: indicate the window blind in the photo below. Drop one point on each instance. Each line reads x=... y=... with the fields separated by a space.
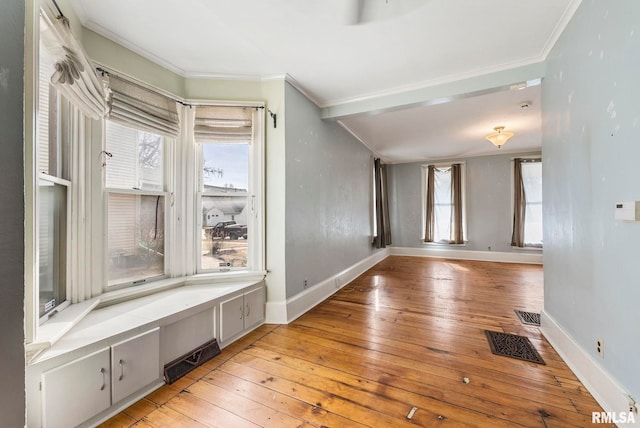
x=217 y=124
x=73 y=76
x=135 y=106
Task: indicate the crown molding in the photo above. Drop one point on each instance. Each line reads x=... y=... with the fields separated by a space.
x=560 y=26
x=98 y=29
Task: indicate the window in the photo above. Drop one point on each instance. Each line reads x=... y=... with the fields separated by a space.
x=52 y=194
x=136 y=201
x=444 y=203
x=527 y=218
x=229 y=150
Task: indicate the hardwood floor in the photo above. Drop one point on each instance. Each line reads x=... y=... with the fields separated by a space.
x=404 y=334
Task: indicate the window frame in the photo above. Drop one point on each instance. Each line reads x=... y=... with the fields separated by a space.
x=254 y=194
x=528 y=158
x=463 y=178
x=59 y=151
x=166 y=192
x=66 y=245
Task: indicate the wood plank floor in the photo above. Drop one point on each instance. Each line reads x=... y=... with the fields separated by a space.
x=404 y=334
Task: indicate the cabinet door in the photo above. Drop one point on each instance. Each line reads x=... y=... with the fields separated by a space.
x=254 y=307
x=231 y=318
x=135 y=364
x=76 y=391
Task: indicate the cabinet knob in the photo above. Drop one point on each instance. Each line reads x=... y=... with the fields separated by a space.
x=241 y=312
x=248 y=309
x=104 y=380
x=121 y=362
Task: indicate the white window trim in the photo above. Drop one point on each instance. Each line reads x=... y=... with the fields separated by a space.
x=423 y=201
x=169 y=159
x=68 y=276
x=255 y=194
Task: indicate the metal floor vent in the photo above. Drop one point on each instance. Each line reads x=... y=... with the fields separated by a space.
x=183 y=365
x=529 y=318
x=514 y=346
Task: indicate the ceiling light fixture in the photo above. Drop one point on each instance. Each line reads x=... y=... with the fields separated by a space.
x=498 y=138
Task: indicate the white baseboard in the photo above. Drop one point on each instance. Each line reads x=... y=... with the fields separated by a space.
x=486 y=256
x=276 y=312
x=302 y=302
x=604 y=388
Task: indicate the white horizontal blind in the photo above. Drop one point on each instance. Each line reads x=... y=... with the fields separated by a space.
x=217 y=124
x=122 y=233
x=138 y=107
x=44 y=109
x=122 y=167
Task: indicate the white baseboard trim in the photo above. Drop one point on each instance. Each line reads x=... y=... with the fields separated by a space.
x=276 y=312
x=604 y=388
x=302 y=302
x=486 y=256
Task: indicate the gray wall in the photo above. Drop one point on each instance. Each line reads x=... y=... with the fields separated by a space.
x=591 y=145
x=12 y=398
x=488 y=199
x=328 y=196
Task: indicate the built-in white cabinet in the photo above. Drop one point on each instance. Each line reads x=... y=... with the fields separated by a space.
x=241 y=313
x=82 y=388
x=76 y=391
x=254 y=302
x=115 y=355
x=135 y=364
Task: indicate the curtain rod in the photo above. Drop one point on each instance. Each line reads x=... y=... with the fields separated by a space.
x=58 y=7
x=104 y=72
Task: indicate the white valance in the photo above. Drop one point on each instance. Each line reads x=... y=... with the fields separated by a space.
x=74 y=76
x=133 y=105
x=220 y=124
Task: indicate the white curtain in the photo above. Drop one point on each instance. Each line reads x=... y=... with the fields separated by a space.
x=133 y=105
x=220 y=124
x=74 y=76
x=442 y=204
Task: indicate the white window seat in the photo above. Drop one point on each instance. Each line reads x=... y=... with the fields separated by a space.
x=78 y=327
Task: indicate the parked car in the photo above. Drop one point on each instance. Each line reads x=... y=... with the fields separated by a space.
x=229 y=229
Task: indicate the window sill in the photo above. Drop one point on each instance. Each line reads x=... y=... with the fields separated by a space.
x=56 y=327
x=443 y=244
x=534 y=249
x=163 y=298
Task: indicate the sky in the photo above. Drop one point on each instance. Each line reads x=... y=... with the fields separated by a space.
x=232 y=159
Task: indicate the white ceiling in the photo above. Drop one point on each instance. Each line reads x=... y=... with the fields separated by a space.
x=397 y=45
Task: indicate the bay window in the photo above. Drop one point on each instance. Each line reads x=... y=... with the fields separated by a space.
x=128 y=185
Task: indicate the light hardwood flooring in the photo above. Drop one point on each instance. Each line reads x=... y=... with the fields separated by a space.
x=404 y=334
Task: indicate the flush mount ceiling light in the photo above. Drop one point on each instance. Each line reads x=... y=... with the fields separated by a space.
x=498 y=138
